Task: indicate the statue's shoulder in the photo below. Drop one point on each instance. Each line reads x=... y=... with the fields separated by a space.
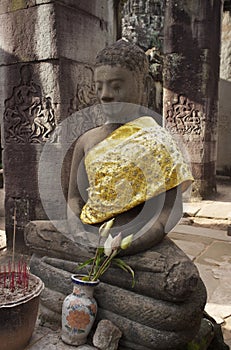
x=90 y=133
x=91 y=137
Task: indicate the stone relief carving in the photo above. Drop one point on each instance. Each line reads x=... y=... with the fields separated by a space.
x=44 y=120
x=28 y=117
x=184 y=118
x=84 y=112
x=85 y=92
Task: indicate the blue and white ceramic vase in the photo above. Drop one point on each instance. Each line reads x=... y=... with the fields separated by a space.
x=79 y=311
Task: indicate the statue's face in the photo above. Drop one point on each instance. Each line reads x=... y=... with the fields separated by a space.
x=118 y=84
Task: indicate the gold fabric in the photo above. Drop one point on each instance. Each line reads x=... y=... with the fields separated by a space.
x=136 y=162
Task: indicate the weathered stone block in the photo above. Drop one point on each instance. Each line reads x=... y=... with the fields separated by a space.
x=15 y=5
x=28 y=34
x=21 y=159
x=73 y=40
x=224 y=121
x=98 y=8
x=187 y=20
x=225 y=68
x=107 y=336
x=224 y=126
x=52 y=300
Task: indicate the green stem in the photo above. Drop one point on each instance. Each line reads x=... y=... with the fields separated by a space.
x=93 y=264
x=105 y=265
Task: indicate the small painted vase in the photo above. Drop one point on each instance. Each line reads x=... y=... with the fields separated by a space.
x=79 y=311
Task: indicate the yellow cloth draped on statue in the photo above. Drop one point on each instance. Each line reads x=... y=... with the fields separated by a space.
x=136 y=162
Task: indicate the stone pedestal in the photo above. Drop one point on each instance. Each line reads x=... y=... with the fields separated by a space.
x=162 y=311
x=190 y=79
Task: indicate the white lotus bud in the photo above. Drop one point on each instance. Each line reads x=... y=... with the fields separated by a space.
x=126 y=242
x=116 y=242
x=107 y=245
x=105 y=228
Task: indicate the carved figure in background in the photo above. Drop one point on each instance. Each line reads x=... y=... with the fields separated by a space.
x=21 y=109
x=16 y=115
x=44 y=120
x=183 y=118
x=85 y=92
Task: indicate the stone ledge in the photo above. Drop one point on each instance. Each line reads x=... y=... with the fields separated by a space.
x=189 y=229
x=217 y=224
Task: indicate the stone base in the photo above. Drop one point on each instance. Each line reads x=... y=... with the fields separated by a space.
x=163 y=311
x=146 y=323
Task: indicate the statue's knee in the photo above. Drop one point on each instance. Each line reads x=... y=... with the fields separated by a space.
x=182 y=279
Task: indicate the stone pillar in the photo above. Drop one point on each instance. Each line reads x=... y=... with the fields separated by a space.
x=47 y=53
x=190 y=78
x=224 y=122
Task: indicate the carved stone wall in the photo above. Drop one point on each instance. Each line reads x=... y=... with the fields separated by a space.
x=142 y=22
x=28 y=116
x=46 y=57
x=190 y=78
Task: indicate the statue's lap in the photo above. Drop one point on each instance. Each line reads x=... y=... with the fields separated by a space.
x=166 y=302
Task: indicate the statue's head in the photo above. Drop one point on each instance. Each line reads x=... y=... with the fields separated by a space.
x=121 y=73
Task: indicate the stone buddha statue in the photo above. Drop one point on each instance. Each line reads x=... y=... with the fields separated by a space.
x=128 y=168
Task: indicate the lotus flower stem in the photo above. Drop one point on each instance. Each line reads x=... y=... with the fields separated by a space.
x=95 y=257
x=104 y=266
